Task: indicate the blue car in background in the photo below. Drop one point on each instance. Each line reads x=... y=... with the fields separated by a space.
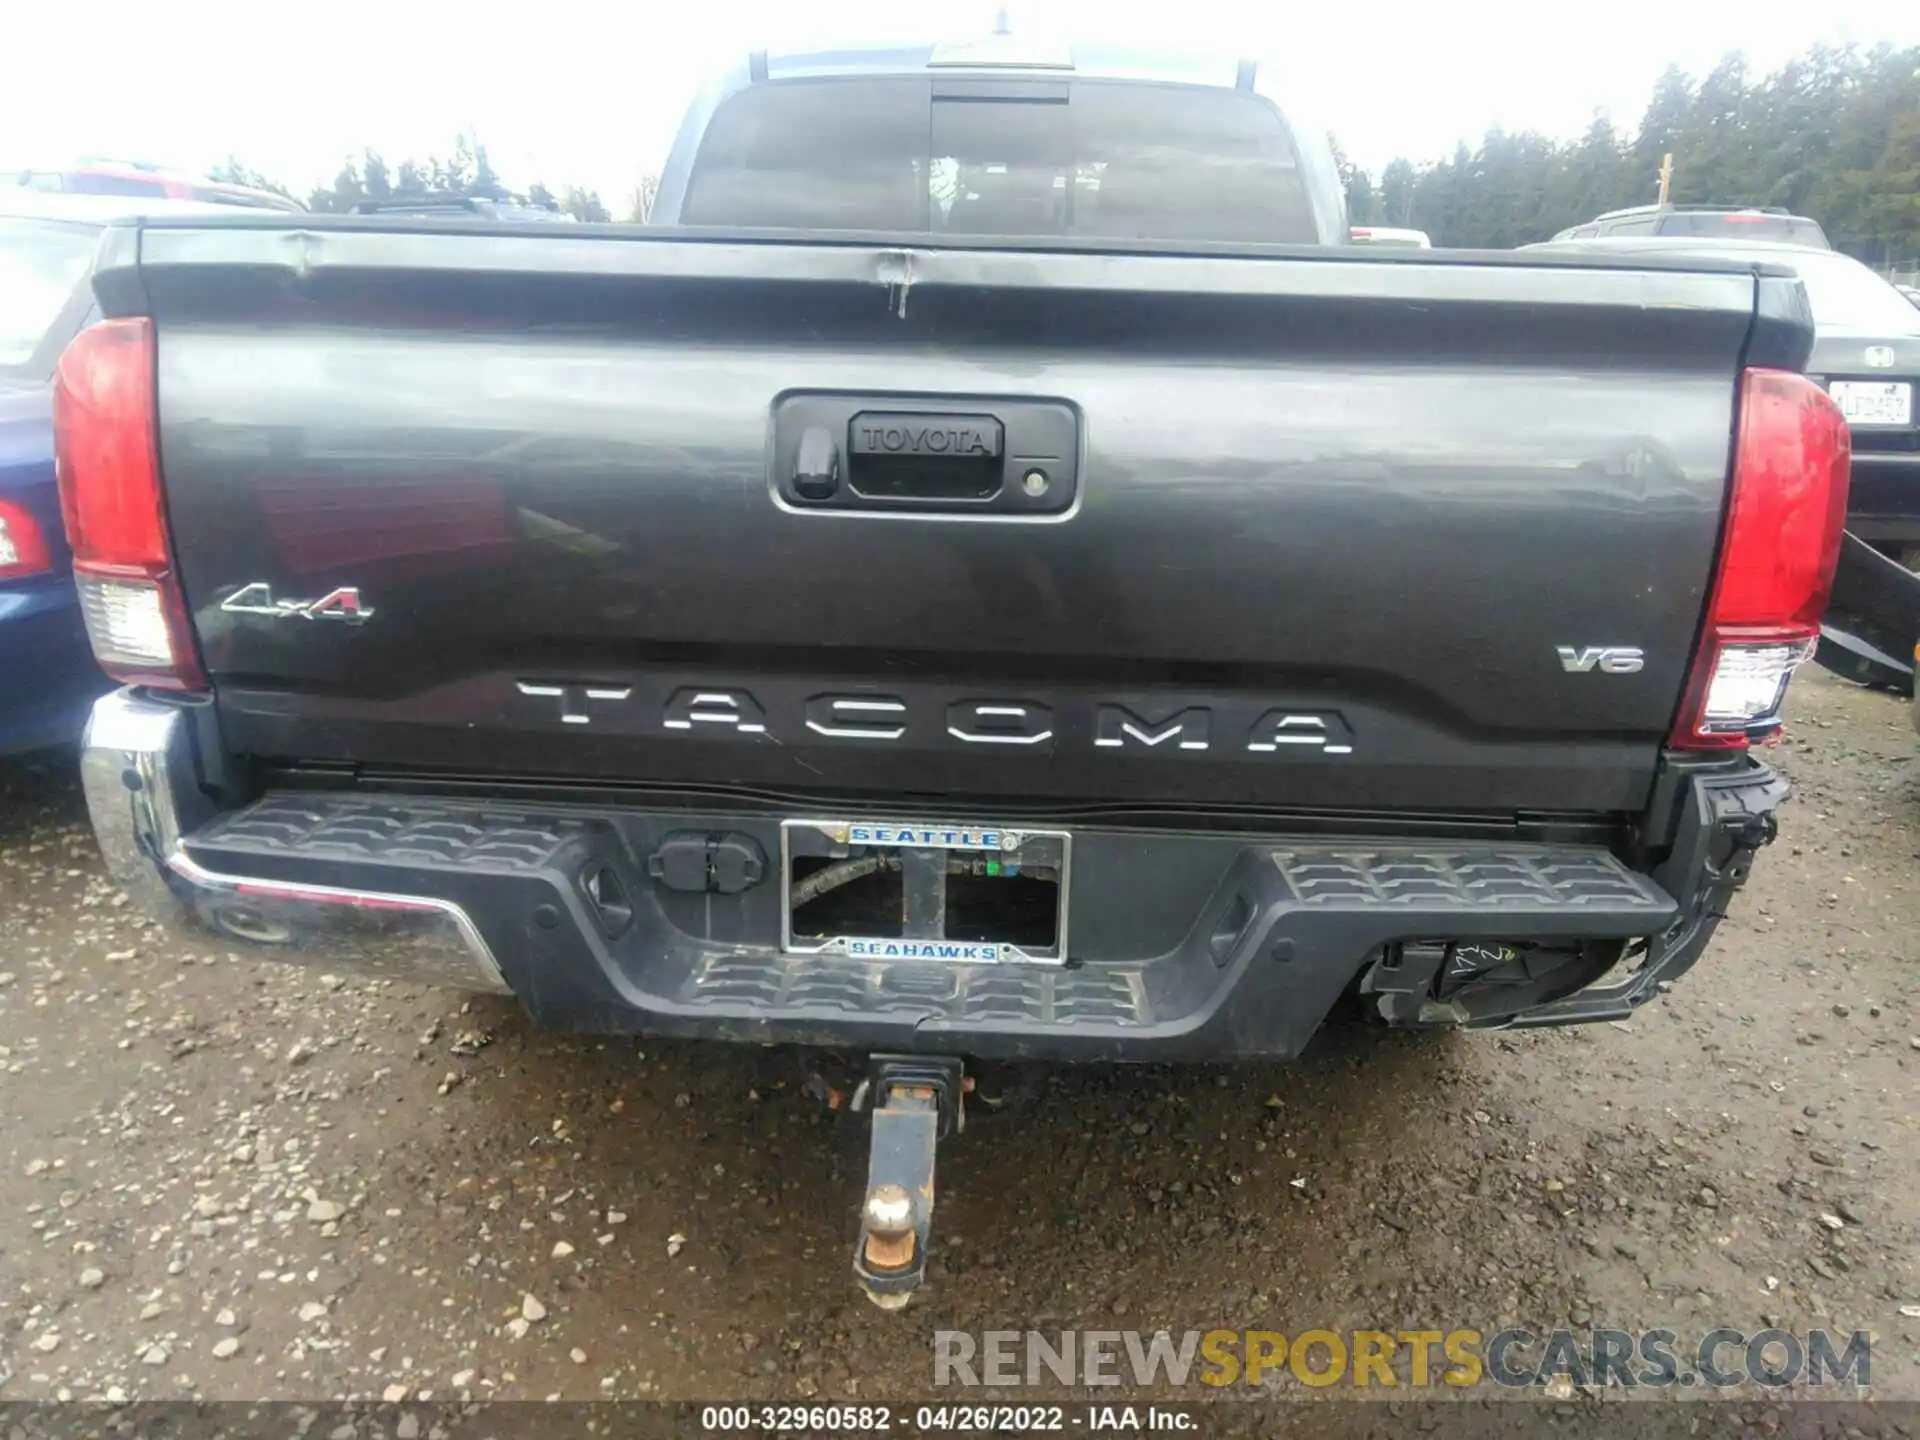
x=47 y=243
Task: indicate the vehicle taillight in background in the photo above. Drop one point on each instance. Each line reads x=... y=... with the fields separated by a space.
x=107 y=461
x=1784 y=522
x=23 y=549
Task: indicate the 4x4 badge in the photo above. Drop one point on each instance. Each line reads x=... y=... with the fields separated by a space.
x=257 y=599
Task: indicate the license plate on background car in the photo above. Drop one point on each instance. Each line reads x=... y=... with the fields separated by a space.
x=888 y=890
x=1874 y=402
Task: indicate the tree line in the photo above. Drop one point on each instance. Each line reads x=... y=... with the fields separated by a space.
x=1834 y=135
x=467 y=171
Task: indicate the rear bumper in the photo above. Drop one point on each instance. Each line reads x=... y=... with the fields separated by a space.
x=1197 y=945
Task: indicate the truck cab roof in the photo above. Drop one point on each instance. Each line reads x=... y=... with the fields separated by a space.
x=1008 y=55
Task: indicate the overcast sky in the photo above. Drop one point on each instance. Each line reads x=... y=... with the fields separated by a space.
x=569 y=92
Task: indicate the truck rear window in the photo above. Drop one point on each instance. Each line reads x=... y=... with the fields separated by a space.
x=1107 y=159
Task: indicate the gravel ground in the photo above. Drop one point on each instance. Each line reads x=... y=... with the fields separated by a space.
x=228 y=1180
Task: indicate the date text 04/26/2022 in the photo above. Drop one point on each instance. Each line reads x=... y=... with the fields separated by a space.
x=950 y=1418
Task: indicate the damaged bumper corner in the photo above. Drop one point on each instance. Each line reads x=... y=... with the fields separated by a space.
x=1727 y=821
x=141 y=778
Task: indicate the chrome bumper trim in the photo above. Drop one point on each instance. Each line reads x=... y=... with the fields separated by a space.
x=141 y=778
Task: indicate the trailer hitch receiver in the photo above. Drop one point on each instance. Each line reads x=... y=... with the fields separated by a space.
x=915 y=1100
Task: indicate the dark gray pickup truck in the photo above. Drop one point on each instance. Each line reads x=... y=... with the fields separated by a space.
x=995 y=575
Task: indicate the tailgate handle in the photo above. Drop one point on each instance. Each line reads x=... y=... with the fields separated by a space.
x=897 y=455
x=1006 y=458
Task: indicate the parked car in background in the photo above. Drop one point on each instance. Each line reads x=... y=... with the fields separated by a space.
x=1702 y=222
x=452 y=206
x=48 y=677
x=130 y=181
x=1391 y=236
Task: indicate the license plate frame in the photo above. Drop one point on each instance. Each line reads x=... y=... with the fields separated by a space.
x=1875 y=403
x=1015 y=847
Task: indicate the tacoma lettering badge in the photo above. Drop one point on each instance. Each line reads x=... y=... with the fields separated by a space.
x=716 y=712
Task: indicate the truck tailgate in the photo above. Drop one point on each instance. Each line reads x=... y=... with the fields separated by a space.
x=1356 y=532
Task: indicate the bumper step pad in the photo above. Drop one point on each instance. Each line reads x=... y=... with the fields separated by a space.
x=962 y=995
x=451 y=836
x=435 y=837
x=1441 y=879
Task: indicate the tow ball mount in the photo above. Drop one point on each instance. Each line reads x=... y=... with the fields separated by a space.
x=915 y=1100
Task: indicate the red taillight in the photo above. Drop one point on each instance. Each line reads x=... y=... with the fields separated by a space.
x=108 y=467
x=23 y=549
x=103 y=438
x=1785 y=516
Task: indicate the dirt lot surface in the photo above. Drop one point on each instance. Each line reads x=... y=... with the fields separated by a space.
x=224 y=1179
